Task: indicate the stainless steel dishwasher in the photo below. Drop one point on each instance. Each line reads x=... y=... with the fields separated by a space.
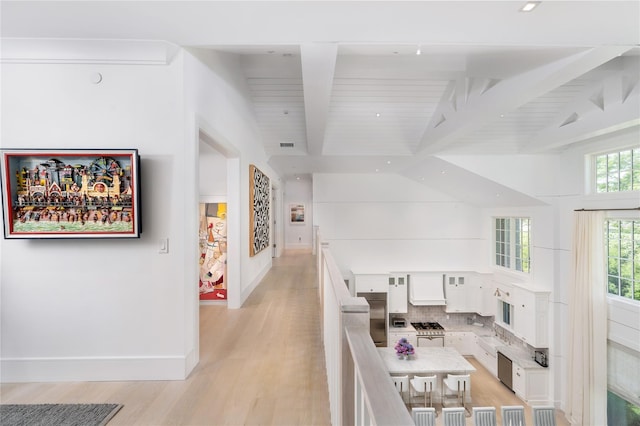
x=505 y=370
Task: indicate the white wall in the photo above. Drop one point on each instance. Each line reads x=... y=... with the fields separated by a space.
x=98 y=309
x=87 y=310
x=213 y=172
x=385 y=222
x=298 y=236
x=217 y=100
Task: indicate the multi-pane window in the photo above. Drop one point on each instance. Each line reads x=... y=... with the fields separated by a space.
x=623 y=258
x=618 y=171
x=512 y=245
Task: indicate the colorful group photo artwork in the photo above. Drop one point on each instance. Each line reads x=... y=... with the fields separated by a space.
x=65 y=193
x=213 y=251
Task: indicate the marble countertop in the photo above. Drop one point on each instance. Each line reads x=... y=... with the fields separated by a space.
x=408 y=329
x=426 y=360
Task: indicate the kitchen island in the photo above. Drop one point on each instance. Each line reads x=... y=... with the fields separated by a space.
x=428 y=361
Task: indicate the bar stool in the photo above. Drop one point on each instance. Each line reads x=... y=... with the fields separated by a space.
x=402 y=385
x=424 y=385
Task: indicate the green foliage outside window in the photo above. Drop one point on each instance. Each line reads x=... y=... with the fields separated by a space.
x=623 y=258
x=512 y=243
x=621 y=412
x=618 y=171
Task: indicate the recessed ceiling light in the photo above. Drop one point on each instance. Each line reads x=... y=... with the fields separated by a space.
x=377 y=170
x=529 y=6
x=498 y=194
x=419 y=51
x=388 y=161
x=298 y=177
x=377 y=114
x=443 y=172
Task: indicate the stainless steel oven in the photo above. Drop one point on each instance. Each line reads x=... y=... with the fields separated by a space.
x=429 y=334
x=430 y=341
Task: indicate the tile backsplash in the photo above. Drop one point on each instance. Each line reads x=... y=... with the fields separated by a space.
x=437 y=314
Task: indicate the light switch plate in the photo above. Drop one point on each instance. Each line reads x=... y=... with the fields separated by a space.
x=163 y=246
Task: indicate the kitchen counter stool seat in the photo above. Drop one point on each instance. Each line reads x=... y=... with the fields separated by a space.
x=484 y=416
x=424 y=386
x=454 y=416
x=402 y=385
x=513 y=415
x=424 y=416
x=544 y=416
x=456 y=387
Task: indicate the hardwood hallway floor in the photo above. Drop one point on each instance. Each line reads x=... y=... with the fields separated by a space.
x=259 y=365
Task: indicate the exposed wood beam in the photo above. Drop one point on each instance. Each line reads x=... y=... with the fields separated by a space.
x=318 y=67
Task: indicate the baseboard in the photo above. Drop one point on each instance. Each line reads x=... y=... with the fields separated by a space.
x=298 y=246
x=94 y=369
x=256 y=281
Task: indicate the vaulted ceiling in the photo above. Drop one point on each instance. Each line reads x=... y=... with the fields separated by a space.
x=339 y=86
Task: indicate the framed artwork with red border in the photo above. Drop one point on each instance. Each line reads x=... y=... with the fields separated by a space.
x=70 y=193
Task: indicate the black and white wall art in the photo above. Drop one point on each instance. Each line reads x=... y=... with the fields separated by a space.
x=259 y=190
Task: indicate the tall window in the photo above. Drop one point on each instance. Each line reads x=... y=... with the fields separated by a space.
x=623 y=258
x=512 y=245
x=618 y=171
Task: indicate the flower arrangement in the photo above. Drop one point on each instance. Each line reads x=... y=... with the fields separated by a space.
x=404 y=348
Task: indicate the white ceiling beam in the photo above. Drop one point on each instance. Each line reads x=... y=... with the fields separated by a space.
x=615 y=117
x=512 y=93
x=318 y=67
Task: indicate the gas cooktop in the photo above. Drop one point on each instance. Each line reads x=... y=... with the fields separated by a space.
x=428 y=328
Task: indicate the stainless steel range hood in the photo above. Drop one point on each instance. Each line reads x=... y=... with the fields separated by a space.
x=427 y=289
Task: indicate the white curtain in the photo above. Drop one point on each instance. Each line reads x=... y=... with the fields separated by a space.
x=587 y=354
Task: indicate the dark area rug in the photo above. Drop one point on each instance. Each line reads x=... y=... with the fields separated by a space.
x=57 y=414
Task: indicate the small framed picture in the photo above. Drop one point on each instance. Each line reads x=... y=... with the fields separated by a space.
x=297 y=214
x=64 y=193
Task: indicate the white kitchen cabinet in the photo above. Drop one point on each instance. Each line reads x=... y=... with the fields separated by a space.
x=530 y=322
x=530 y=384
x=398 y=294
x=456 y=292
x=371 y=283
x=394 y=336
x=462 y=341
x=487 y=359
x=518 y=380
x=482 y=292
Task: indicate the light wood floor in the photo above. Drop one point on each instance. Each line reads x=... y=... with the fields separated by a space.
x=259 y=365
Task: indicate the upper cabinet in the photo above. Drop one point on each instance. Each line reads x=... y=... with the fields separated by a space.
x=531 y=316
x=371 y=283
x=483 y=295
x=398 y=284
x=470 y=292
x=456 y=291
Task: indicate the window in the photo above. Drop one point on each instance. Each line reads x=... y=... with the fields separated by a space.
x=618 y=171
x=623 y=258
x=512 y=246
